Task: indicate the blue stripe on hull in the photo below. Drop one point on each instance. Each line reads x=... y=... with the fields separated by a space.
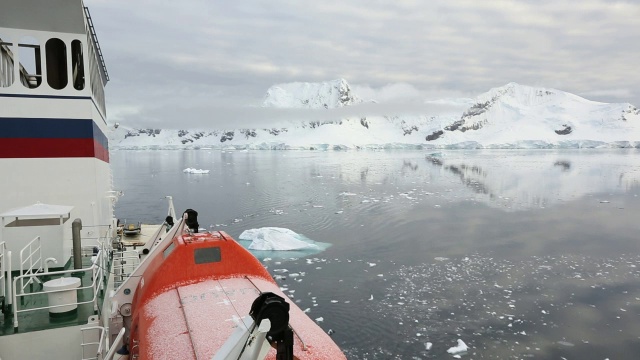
x=46 y=128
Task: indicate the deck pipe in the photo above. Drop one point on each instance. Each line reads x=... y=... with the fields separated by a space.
x=76 y=226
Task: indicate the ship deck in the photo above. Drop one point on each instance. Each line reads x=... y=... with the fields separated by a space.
x=40 y=319
x=146 y=231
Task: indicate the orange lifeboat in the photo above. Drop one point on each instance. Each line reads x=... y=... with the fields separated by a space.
x=194 y=301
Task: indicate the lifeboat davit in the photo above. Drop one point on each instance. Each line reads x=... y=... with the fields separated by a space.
x=207 y=297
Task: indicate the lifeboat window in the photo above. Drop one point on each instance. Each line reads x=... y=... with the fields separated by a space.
x=30 y=62
x=167 y=251
x=207 y=255
x=56 y=63
x=6 y=63
x=77 y=65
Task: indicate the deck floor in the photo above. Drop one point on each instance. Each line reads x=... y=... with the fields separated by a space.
x=146 y=231
x=40 y=319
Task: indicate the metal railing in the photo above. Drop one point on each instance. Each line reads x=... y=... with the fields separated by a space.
x=94 y=38
x=114 y=346
x=4 y=258
x=3 y=270
x=124 y=263
x=5 y=274
x=96 y=285
x=97 y=348
x=33 y=258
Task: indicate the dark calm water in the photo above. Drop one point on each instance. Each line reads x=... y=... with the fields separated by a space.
x=521 y=254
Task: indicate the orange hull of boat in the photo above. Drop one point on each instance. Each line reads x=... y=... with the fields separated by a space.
x=191 y=298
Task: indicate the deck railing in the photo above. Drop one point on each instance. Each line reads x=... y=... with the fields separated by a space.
x=4 y=258
x=5 y=274
x=3 y=270
x=98 y=348
x=94 y=350
x=31 y=262
x=124 y=263
x=96 y=270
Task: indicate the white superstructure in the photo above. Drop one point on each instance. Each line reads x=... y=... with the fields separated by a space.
x=53 y=147
x=54 y=168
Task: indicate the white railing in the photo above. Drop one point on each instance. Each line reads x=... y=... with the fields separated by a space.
x=5 y=274
x=114 y=346
x=3 y=277
x=33 y=258
x=96 y=285
x=97 y=348
x=95 y=77
x=124 y=263
x=3 y=271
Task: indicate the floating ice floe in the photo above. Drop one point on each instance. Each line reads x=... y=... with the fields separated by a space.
x=345 y=193
x=460 y=348
x=274 y=238
x=195 y=171
x=281 y=243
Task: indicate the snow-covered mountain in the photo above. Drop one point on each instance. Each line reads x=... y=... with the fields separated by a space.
x=299 y=95
x=511 y=116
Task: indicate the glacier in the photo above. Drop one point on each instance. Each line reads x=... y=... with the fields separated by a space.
x=512 y=116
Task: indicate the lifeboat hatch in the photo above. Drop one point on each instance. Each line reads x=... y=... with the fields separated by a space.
x=207 y=255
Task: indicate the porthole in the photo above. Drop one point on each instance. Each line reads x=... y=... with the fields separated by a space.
x=77 y=65
x=56 y=52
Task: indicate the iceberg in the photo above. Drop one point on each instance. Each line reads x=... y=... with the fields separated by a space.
x=195 y=171
x=274 y=242
x=459 y=349
x=276 y=239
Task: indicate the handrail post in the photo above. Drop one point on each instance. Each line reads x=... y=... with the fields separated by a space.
x=15 y=306
x=114 y=345
x=3 y=274
x=11 y=291
x=76 y=226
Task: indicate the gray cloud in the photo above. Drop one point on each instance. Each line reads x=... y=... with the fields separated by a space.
x=199 y=54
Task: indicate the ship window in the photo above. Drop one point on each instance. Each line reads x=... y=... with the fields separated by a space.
x=30 y=62
x=206 y=255
x=168 y=250
x=77 y=63
x=6 y=62
x=56 y=51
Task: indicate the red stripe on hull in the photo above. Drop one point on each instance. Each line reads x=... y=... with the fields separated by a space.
x=100 y=152
x=51 y=148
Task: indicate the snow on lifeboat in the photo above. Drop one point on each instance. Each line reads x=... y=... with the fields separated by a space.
x=204 y=296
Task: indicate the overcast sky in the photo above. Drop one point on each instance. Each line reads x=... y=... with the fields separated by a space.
x=206 y=60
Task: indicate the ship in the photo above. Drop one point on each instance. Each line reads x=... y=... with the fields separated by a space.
x=71 y=286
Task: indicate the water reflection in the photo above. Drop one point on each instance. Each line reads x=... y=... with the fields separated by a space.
x=431 y=247
x=521 y=180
